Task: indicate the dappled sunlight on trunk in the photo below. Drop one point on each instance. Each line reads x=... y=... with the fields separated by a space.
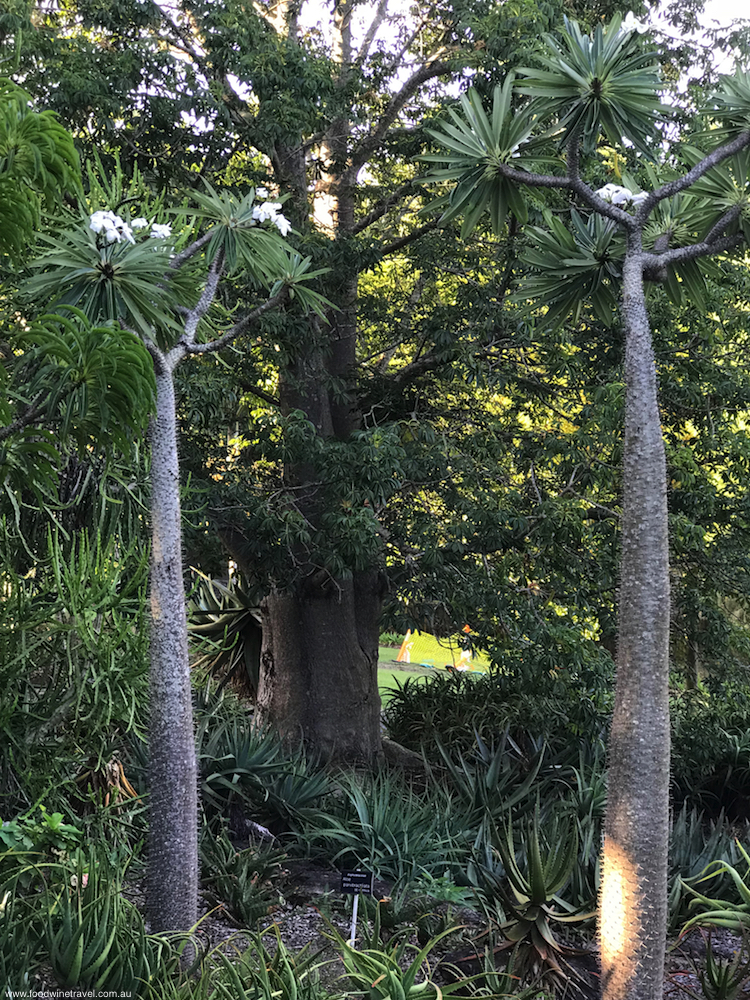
x=619 y=920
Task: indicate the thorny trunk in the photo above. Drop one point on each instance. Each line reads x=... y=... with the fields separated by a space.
x=634 y=872
x=173 y=842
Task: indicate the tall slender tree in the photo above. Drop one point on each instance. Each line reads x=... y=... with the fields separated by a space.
x=117 y=277
x=589 y=89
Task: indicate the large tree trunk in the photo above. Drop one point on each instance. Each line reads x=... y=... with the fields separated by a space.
x=318 y=680
x=172 y=895
x=318 y=673
x=633 y=908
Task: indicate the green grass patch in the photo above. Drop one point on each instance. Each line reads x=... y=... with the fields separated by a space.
x=389 y=677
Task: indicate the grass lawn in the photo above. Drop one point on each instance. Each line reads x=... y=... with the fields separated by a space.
x=389 y=675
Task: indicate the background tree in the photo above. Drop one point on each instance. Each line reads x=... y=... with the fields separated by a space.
x=307 y=115
x=589 y=86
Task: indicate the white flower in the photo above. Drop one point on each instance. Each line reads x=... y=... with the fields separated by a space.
x=268 y=210
x=617 y=195
x=113 y=227
x=631 y=23
x=160 y=232
x=139 y=224
x=97 y=221
x=261 y=193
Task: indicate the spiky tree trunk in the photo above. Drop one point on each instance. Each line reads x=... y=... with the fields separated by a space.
x=634 y=873
x=172 y=894
x=173 y=779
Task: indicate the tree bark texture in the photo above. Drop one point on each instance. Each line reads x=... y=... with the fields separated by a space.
x=318 y=678
x=318 y=674
x=173 y=778
x=633 y=905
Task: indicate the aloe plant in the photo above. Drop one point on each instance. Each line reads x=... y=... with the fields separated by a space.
x=529 y=896
x=268 y=973
x=386 y=974
x=722 y=912
x=225 y=625
x=97 y=939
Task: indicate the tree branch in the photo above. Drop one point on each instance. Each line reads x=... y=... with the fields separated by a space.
x=382 y=207
x=239 y=327
x=655 y=263
x=572 y=182
x=260 y=393
x=728 y=218
x=370 y=143
x=35 y=408
x=190 y=251
x=369 y=38
x=198 y=311
x=410 y=238
x=701 y=168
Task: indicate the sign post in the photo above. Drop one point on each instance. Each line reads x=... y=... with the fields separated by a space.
x=354 y=883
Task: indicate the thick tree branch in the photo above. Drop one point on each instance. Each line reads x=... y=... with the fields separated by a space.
x=198 y=311
x=708 y=162
x=370 y=143
x=161 y=365
x=190 y=251
x=572 y=182
x=260 y=393
x=427 y=363
x=728 y=219
x=240 y=327
x=369 y=38
x=655 y=263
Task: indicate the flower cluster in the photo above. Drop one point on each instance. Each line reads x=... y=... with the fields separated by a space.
x=116 y=230
x=271 y=211
x=617 y=195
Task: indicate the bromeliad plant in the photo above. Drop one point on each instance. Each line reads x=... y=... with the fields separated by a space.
x=587 y=91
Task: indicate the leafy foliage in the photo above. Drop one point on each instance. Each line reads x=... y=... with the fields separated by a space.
x=598 y=83
x=38 y=165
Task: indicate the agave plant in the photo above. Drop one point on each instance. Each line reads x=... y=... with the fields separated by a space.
x=722 y=912
x=495 y=779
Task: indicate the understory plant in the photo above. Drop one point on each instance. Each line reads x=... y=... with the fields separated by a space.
x=522 y=896
x=720 y=911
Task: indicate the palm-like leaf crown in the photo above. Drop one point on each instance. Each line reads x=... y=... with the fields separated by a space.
x=602 y=82
x=133 y=280
x=478 y=144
